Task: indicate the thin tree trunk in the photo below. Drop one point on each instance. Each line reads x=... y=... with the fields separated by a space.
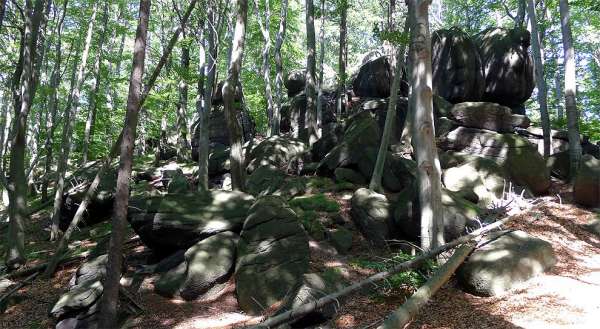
x=321 y=73
x=69 y=119
x=91 y=119
x=109 y=299
x=559 y=96
x=570 y=88
x=428 y=165
x=342 y=58
x=542 y=94
x=2 y=12
x=390 y=117
x=279 y=67
x=311 y=91
x=16 y=186
x=235 y=66
x=266 y=53
x=183 y=146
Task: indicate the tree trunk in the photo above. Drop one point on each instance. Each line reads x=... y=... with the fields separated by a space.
x=2 y=11
x=183 y=146
x=279 y=68
x=570 y=88
x=109 y=299
x=342 y=58
x=390 y=118
x=91 y=118
x=266 y=53
x=17 y=185
x=559 y=96
x=321 y=73
x=235 y=66
x=428 y=165
x=311 y=90
x=542 y=94
x=69 y=120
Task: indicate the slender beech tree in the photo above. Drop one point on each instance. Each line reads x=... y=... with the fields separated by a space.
x=428 y=165
x=69 y=119
x=23 y=94
x=311 y=88
x=390 y=118
x=93 y=108
x=279 y=67
x=321 y=73
x=266 y=54
x=183 y=146
x=342 y=57
x=2 y=12
x=109 y=299
x=570 y=88
x=233 y=125
x=542 y=94
x=559 y=96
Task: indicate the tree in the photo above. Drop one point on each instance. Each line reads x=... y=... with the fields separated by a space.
x=23 y=94
x=570 y=88
x=229 y=91
x=321 y=73
x=542 y=94
x=279 y=67
x=69 y=119
x=266 y=53
x=342 y=57
x=428 y=165
x=182 y=142
x=311 y=93
x=2 y=11
x=109 y=299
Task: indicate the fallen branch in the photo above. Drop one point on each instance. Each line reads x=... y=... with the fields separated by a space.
x=309 y=307
x=405 y=313
x=18 y=286
x=41 y=267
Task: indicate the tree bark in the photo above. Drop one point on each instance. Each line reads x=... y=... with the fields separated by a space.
x=16 y=185
x=235 y=66
x=279 y=67
x=321 y=73
x=559 y=96
x=570 y=88
x=183 y=145
x=266 y=53
x=69 y=120
x=390 y=118
x=542 y=95
x=109 y=299
x=342 y=58
x=2 y=12
x=428 y=165
x=311 y=91
x=91 y=118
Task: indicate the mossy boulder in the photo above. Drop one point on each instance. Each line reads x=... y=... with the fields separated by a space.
x=371 y=212
x=276 y=151
x=586 y=189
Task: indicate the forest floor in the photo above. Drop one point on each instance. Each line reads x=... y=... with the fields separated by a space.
x=564 y=297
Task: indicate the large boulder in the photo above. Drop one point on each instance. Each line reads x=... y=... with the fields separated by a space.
x=586 y=189
x=490 y=116
x=270 y=180
x=177 y=221
x=457 y=69
x=203 y=269
x=525 y=166
x=374 y=79
x=379 y=108
x=479 y=175
x=217 y=97
x=273 y=256
x=276 y=151
x=330 y=139
x=507 y=259
x=295 y=82
x=508 y=67
x=218 y=133
x=371 y=213
x=294 y=115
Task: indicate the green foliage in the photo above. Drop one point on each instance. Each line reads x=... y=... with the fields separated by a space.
x=317 y=202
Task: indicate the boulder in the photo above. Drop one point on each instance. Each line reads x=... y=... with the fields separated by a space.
x=177 y=221
x=459 y=215
x=276 y=151
x=217 y=127
x=350 y=176
x=217 y=97
x=593 y=227
x=273 y=256
x=525 y=166
x=374 y=79
x=379 y=108
x=178 y=184
x=294 y=115
x=372 y=214
x=482 y=176
x=295 y=82
x=586 y=189
x=490 y=116
x=506 y=259
x=341 y=239
x=269 y=180
x=560 y=164
x=507 y=65
x=330 y=139
x=457 y=69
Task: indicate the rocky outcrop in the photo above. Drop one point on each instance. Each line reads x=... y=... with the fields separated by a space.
x=177 y=221
x=374 y=79
x=273 y=256
x=379 y=108
x=275 y=151
x=218 y=133
x=508 y=67
x=270 y=180
x=586 y=189
x=457 y=69
x=525 y=166
x=294 y=115
x=203 y=270
x=505 y=260
x=490 y=116
x=295 y=82
x=481 y=176
x=371 y=212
